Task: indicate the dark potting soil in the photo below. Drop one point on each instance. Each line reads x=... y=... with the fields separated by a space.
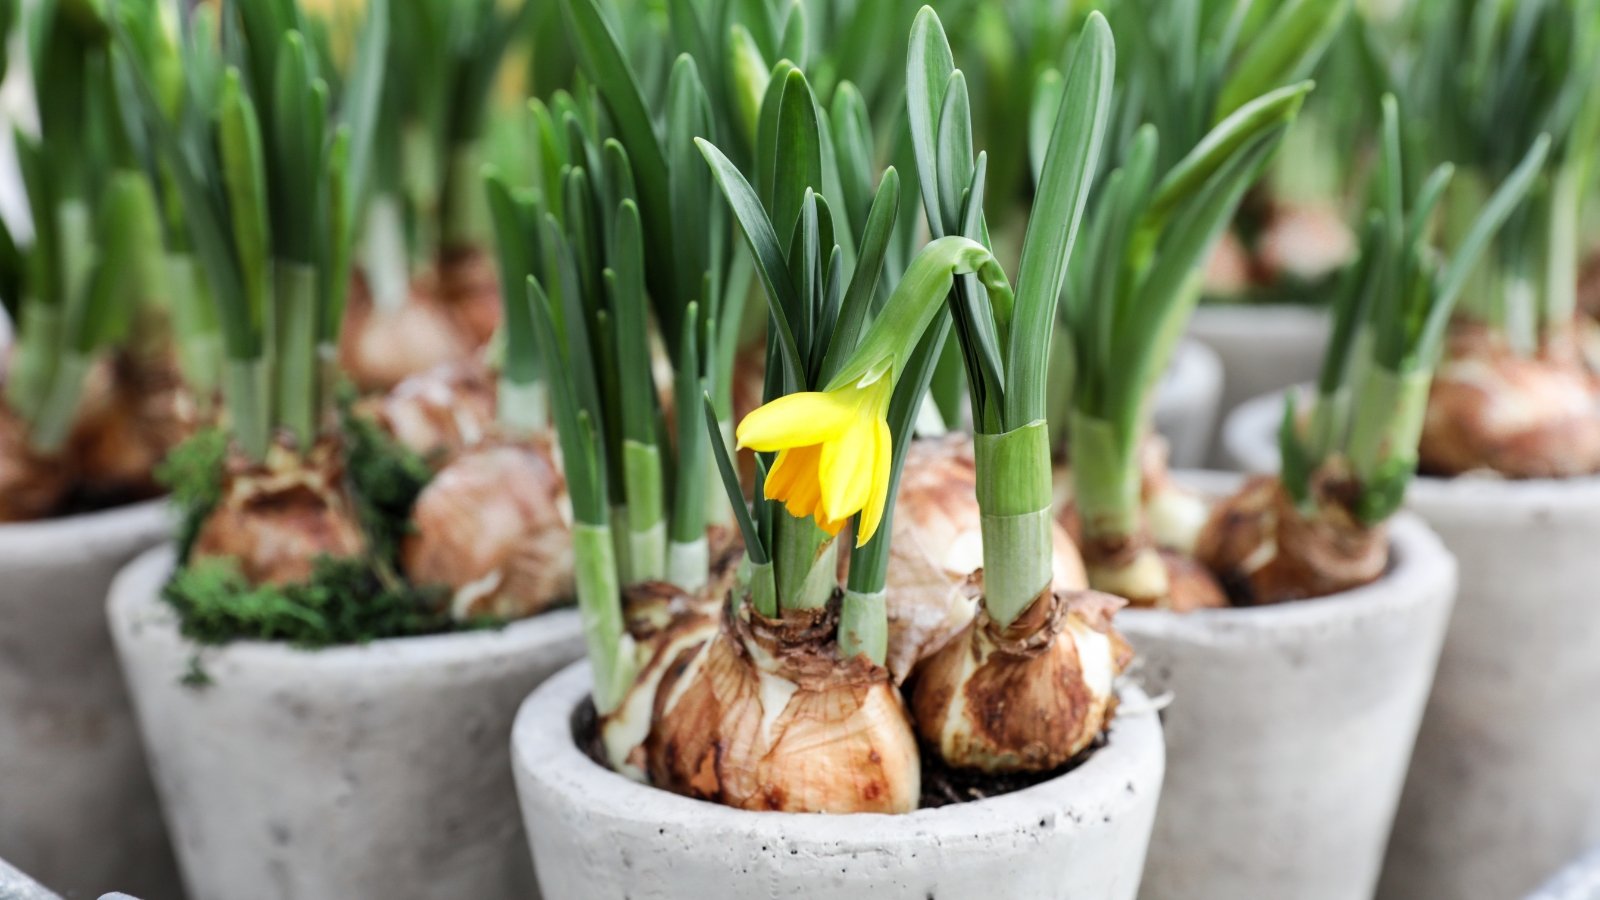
x=942 y=785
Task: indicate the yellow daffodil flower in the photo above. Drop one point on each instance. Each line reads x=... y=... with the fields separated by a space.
x=834 y=451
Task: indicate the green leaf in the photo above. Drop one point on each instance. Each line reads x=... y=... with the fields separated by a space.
x=929 y=65
x=864 y=280
x=1513 y=190
x=626 y=289
x=797 y=161
x=1068 y=172
x=515 y=220
x=1285 y=49
x=244 y=178
x=730 y=483
x=1219 y=146
x=769 y=259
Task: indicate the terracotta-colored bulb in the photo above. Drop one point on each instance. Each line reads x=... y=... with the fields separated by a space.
x=133 y=412
x=31 y=486
x=378 y=349
x=1519 y=416
x=1260 y=545
x=767 y=717
x=490 y=527
x=1028 y=697
x=441 y=412
x=469 y=285
x=1306 y=241
x=277 y=517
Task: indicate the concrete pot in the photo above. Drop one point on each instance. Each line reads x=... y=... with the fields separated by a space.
x=1504 y=787
x=1290 y=729
x=1188 y=403
x=77 y=810
x=1263 y=348
x=375 y=771
x=16 y=885
x=598 y=836
x=1578 y=881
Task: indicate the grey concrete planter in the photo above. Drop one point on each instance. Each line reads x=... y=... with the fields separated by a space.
x=1578 y=881
x=598 y=836
x=17 y=885
x=1263 y=348
x=77 y=810
x=377 y=771
x=1290 y=729
x=1505 y=785
x=1189 y=403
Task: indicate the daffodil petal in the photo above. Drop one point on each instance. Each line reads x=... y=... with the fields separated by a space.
x=811 y=417
x=878 y=495
x=846 y=469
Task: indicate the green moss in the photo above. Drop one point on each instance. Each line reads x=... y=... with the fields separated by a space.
x=192 y=472
x=385 y=478
x=345 y=602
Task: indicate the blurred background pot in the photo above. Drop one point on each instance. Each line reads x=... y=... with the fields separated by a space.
x=17 y=885
x=1578 y=881
x=1290 y=728
x=596 y=834
x=77 y=810
x=1263 y=347
x=376 y=771
x=1504 y=787
x=1189 y=402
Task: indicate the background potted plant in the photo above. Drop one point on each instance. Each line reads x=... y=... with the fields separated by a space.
x=1336 y=682
x=1496 y=799
x=316 y=723
x=817 y=651
x=93 y=398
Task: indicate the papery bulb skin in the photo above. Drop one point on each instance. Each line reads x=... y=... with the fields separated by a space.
x=470 y=288
x=1026 y=697
x=492 y=529
x=1519 y=416
x=132 y=414
x=1266 y=551
x=278 y=516
x=937 y=549
x=667 y=625
x=442 y=412
x=767 y=717
x=32 y=486
x=1303 y=241
x=379 y=349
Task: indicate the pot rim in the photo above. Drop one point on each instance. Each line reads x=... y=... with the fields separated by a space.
x=1252 y=426
x=544 y=750
x=139 y=616
x=28 y=540
x=1195 y=369
x=1417 y=563
x=1267 y=318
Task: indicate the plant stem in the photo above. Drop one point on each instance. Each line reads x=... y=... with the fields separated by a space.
x=463 y=212
x=1105 y=474
x=194 y=326
x=53 y=421
x=1388 y=419
x=296 y=373
x=647 y=528
x=864 y=626
x=244 y=392
x=35 y=358
x=600 y=606
x=805 y=562
x=1561 y=276
x=383 y=255
x=688 y=564
x=524 y=407
x=1014 y=495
